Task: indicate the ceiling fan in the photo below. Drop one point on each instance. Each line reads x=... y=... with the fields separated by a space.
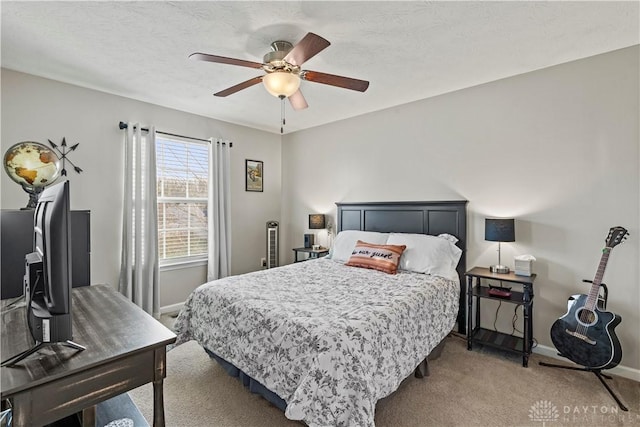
x=283 y=72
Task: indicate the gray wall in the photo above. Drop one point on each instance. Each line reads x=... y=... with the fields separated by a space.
x=37 y=109
x=557 y=149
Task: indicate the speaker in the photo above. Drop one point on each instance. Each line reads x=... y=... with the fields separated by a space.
x=308 y=240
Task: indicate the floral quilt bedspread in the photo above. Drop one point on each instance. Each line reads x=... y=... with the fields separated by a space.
x=329 y=339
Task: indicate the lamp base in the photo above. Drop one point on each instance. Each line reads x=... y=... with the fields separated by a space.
x=500 y=269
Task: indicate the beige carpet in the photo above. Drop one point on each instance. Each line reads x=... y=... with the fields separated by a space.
x=478 y=388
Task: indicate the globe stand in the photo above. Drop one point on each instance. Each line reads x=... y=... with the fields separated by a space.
x=34 y=195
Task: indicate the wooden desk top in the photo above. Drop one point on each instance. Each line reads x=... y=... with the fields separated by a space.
x=104 y=321
x=485 y=273
x=311 y=250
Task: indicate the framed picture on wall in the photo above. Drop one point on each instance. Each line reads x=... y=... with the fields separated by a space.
x=253 y=175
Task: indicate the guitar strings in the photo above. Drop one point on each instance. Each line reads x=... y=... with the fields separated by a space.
x=588 y=314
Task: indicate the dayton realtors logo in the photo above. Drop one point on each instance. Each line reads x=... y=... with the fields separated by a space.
x=543 y=411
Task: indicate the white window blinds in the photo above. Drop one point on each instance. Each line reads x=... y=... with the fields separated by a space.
x=182 y=174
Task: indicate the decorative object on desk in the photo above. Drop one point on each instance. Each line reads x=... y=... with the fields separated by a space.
x=254 y=175
x=316 y=247
x=499 y=230
x=32 y=165
x=585 y=333
x=63 y=155
x=522 y=264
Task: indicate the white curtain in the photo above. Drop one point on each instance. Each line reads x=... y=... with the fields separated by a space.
x=219 y=210
x=139 y=264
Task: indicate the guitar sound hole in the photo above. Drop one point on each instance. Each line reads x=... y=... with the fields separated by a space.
x=586 y=317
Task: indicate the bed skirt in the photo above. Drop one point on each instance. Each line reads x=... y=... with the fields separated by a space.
x=253 y=385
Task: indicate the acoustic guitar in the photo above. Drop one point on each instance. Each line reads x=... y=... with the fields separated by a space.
x=585 y=334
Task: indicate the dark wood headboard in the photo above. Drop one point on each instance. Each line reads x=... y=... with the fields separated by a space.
x=413 y=217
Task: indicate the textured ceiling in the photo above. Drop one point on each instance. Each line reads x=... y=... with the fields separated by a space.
x=407 y=50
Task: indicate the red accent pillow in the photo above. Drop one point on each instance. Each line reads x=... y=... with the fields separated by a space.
x=378 y=257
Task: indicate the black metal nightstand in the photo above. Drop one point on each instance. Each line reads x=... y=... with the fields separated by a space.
x=313 y=253
x=522 y=345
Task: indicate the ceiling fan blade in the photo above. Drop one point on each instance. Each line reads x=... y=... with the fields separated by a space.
x=305 y=49
x=297 y=101
x=239 y=87
x=339 y=81
x=224 y=60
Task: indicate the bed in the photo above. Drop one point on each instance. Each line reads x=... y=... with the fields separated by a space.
x=323 y=340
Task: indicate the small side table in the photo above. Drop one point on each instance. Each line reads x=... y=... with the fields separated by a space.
x=475 y=333
x=313 y=253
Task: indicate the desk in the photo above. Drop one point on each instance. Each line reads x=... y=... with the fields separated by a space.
x=476 y=333
x=126 y=348
x=313 y=253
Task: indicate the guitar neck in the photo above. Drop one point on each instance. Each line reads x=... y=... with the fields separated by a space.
x=592 y=299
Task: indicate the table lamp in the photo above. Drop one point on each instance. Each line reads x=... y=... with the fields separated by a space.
x=316 y=222
x=499 y=230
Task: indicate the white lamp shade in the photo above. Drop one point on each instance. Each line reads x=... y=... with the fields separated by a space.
x=281 y=83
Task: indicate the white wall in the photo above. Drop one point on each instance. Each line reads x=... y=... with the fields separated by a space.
x=37 y=109
x=557 y=149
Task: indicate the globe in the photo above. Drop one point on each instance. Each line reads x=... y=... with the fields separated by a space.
x=33 y=166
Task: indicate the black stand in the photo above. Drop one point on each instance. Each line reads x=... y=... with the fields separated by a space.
x=18 y=357
x=598 y=373
x=602 y=303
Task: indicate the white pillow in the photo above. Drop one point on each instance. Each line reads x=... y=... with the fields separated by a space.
x=427 y=254
x=346 y=240
x=449 y=237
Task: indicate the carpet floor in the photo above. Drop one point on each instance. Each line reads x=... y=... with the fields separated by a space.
x=465 y=388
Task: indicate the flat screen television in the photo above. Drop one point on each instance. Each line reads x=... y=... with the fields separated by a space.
x=48 y=273
x=51 y=293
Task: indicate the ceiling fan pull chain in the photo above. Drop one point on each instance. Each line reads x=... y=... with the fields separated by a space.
x=282 y=119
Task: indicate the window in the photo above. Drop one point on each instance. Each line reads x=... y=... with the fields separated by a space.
x=182 y=178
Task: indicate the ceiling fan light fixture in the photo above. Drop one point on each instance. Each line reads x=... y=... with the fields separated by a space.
x=281 y=83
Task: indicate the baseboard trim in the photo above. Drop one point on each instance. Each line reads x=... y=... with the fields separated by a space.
x=171 y=308
x=622 y=371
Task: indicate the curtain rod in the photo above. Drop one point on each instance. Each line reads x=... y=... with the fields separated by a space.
x=123 y=125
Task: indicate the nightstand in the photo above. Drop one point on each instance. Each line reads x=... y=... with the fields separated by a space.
x=478 y=334
x=313 y=253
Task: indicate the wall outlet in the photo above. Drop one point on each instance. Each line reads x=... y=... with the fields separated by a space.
x=263 y=262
